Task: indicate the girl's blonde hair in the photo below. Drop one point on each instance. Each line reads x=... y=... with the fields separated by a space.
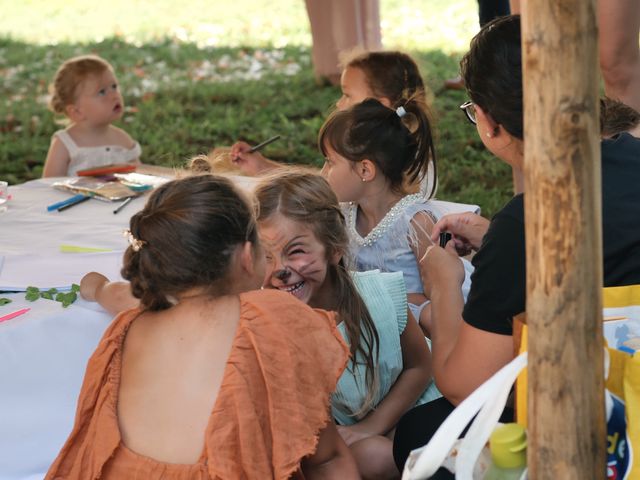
x=307 y=198
x=70 y=75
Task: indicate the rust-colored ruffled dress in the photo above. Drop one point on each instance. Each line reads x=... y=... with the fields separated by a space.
x=284 y=363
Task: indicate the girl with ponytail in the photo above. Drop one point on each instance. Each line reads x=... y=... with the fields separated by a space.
x=373 y=153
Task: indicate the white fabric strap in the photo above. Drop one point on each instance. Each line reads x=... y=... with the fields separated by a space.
x=67 y=141
x=480 y=431
x=425 y=461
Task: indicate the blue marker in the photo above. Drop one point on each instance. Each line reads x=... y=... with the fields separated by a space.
x=69 y=200
x=625 y=349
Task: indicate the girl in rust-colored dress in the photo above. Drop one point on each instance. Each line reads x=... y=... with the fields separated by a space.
x=207 y=379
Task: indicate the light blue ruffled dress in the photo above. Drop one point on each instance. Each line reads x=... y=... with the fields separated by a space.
x=388 y=246
x=385 y=295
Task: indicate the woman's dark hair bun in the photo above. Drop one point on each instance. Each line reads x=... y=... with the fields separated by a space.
x=189 y=229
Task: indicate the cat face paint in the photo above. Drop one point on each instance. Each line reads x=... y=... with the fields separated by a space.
x=297 y=262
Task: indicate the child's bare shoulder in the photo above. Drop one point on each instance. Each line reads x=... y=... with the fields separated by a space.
x=120 y=137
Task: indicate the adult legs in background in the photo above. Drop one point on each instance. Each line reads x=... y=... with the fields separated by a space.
x=619 y=24
x=338 y=26
x=619 y=27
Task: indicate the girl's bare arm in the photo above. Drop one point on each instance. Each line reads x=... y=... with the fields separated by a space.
x=114 y=297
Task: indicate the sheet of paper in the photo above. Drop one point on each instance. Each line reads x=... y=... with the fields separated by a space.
x=56 y=271
x=623 y=334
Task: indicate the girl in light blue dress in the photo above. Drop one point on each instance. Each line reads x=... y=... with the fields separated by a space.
x=302 y=231
x=372 y=155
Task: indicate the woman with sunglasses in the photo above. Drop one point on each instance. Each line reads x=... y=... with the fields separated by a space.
x=471 y=341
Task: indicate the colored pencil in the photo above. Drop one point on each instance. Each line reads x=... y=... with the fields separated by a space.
x=69 y=200
x=14 y=314
x=80 y=200
x=126 y=202
x=260 y=146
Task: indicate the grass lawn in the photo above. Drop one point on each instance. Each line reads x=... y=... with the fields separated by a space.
x=198 y=74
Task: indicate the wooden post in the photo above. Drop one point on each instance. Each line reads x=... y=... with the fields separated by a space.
x=566 y=427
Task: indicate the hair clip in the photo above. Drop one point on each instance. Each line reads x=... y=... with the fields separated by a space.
x=133 y=241
x=400 y=111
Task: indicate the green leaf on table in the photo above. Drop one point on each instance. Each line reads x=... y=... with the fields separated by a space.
x=68 y=298
x=4 y=301
x=49 y=293
x=33 y=294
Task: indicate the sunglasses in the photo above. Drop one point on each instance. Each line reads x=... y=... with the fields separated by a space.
x=469 y=110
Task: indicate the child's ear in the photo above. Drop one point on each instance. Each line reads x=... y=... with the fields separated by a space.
x=385 y=101
x=73 y=112
x=245 y=268
x=488 y=120
x=367 y=170
x=246 y=258
x=334 y=259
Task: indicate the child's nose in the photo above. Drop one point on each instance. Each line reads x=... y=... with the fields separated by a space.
x=277 y=265
x=282 y=274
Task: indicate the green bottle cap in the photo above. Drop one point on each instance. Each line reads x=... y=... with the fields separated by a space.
x=508 y=445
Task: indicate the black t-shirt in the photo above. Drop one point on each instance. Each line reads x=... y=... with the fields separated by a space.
x=498 y=285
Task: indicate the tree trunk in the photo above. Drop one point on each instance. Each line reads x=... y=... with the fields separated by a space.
x=564 y=240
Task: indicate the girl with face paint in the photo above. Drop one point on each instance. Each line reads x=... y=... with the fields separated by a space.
x=303 y=234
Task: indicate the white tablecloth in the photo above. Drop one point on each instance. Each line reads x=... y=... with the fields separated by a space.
x=27 y=228
x=31 y=237
x=43 y=355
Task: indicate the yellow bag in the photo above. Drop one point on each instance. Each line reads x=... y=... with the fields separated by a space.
x=624 y=381
x=624 y=371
